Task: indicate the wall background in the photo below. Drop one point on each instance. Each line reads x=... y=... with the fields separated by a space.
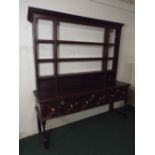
x=113 y=10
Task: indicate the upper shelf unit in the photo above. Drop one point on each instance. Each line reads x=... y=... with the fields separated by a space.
x=54 y=15
x=72 y=46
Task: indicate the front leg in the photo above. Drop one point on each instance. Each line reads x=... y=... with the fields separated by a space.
x=39 y=125
x=123 y=113
x=45 y=135
x=111 y=106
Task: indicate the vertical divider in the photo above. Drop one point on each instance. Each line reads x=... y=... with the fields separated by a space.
x=105 y=52
x=35 y=48
x=116 y=51
x=55 y=47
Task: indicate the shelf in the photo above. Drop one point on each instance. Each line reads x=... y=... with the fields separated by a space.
x=72 y=59
x=80 y=73
x=46 y=77
x=79 y=59
x=45 y=60
x=44 y=41
x=74 y=74
x=74 y=42
x=83 y=43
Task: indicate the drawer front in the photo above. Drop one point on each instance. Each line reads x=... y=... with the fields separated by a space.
x=118 y=94
x=75 y=104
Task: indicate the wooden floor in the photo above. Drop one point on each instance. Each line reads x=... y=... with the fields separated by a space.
x=104 y=134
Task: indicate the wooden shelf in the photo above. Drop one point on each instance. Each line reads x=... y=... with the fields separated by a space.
x=45 y=60
x=74 y=74
x=68 y=74
x=74 y=42
x=83 y=43
x=46 y=77
x=80 y=73
x=44 y=41
x=79 y=59
x=72 y=59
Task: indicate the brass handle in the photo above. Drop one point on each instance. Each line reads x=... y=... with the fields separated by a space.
x=53 y=110
x=71 y=106
x=100 y=98
x=86 y=102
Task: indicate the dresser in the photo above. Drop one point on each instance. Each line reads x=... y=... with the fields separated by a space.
x=80 y=68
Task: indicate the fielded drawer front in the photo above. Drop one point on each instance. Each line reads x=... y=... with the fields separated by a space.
x=79 y=103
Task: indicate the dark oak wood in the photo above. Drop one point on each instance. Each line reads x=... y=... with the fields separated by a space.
x=73 y=59
x=45 y=60
x=55 y=53
x=63 y=94
x=84 y=43
x=74 y=42
x=105 y=53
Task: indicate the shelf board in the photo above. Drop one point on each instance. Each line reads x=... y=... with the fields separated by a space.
x=72 y=59
x=83 y=43
x=79 y=59
x=80 y=73
x=45 y=60
x=48 y=77
x=74 y=42
x=44 y=41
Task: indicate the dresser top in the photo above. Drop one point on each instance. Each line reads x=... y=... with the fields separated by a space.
x=75 y=90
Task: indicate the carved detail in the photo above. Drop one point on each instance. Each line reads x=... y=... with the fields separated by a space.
x=63 y=107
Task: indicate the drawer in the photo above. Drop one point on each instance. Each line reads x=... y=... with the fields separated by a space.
x=118 y=94
x=100 y=99
x=74 y=104
x=57 y=108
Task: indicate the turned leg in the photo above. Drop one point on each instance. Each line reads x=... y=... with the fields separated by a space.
x=42 y=131
x=39 y=125
x=45 y=135
x=124 y=114
x=111 y=106
x=125 y=102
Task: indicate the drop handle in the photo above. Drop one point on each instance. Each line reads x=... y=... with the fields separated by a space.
x=52 y=109
x=71 y=106
x=86 y=102
x=92 y=96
